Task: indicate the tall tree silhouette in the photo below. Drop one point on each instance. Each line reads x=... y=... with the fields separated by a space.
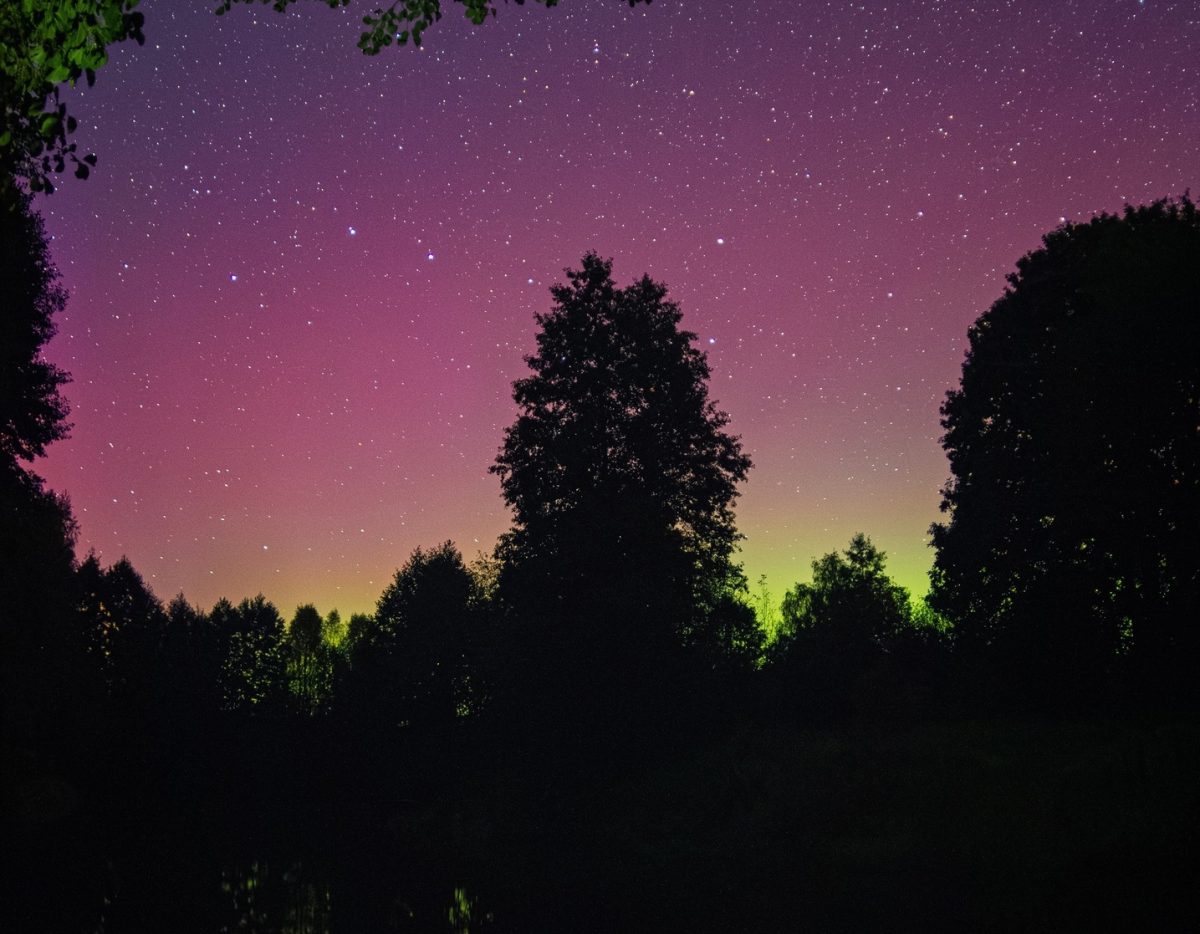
x=1073 y=536
x=33 y=411
x=621 y=478
x=41 y=647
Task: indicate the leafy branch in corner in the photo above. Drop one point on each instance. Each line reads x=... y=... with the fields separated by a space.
x=45 y=44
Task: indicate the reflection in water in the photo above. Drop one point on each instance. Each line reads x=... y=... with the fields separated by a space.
x=464 y=913
x=262 y=899
x=463 y=916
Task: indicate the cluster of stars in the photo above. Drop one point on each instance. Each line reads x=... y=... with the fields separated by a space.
x=322 y=269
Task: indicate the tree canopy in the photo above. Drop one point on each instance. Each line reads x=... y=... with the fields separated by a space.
x=251 y=636
x=410 y=663
x=851 y=601
x=622 y=479
x=1074 y=503
x=617 y=440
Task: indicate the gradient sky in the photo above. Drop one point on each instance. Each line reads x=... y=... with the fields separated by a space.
x=303 y=280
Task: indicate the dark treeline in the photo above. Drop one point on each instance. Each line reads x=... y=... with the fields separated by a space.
x=612 y=627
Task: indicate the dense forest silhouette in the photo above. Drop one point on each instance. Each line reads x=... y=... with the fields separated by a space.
x=601 y=698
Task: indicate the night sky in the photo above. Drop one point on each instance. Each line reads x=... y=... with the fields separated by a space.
x=303 y=280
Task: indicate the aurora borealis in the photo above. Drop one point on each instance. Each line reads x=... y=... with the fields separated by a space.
x=302 y=281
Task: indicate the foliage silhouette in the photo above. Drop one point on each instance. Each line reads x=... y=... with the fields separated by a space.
x=310 y=659
x=43 y=45
x=851 y=601
x=410 y=664
x=401 y=20
x=1073 y=538
x=45 y=675
x=33 y=411
x=190 y=659
x=42 y=663
x=252 y=675
x=357 y=628
x=732 y=639
x=126 y=625
x=621 y=478
x=850 y=642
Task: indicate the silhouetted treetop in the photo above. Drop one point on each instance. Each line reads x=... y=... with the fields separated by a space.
x=1074 y=502
x=410 y=662
x=850 y=601
x=622 y=479
x=616 y=411
x=251 y=636
x=305 y=629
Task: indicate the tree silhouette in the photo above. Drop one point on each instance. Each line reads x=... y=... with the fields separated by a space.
x=732 y=638
x=332 y=630
x=621 y=479
x=252 y=668
x=851 y=603
x=41 y=647
x=358 y=627
x=32 y=410
x=309 y=659
x=848 y=642
x=127 y=625
x=44 y=672
x=1073 y=536
x=190 y=662
x=410 y=664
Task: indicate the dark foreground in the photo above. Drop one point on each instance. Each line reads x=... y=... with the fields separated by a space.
x=981 y=826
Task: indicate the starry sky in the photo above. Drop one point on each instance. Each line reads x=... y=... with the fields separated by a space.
x=302 y=280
